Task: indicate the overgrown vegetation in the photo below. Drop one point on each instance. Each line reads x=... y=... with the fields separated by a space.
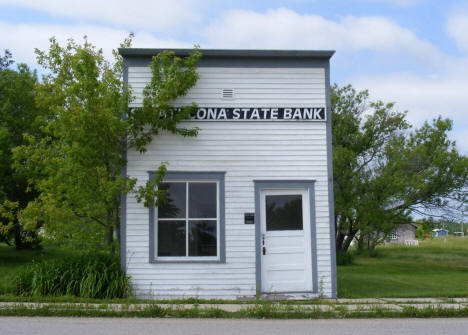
x=344 y=258
x=85 y=275
x=75 y=162
x=435 y=269
x=12 y=261
x=260 y=311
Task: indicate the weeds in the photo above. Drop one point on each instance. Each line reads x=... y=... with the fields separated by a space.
x=86 y=276
x=264 y=311
x=344 y=258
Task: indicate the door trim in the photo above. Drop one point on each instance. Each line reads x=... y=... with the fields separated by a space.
x=309 y=185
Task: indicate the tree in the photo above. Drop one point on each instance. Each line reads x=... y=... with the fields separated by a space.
x=384 y=172
x=18 y=116
x=76 y=165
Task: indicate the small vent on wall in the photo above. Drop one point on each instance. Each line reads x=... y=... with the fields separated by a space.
x=228 y=93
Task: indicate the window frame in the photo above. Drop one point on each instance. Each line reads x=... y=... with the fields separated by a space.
x=190 y=177
x=187 y=220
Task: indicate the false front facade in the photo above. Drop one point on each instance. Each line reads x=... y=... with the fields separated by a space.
x=250 y=205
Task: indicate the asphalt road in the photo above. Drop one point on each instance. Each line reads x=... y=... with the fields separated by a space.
x=117 y=326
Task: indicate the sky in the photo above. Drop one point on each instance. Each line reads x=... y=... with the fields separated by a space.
x=411 y=52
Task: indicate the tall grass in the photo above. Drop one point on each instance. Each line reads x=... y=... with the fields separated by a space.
x=85 y=275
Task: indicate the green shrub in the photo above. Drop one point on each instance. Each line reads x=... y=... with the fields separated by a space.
x=85 y=275
x=344 y=258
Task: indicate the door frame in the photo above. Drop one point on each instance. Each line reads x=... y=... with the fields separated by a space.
x=308 y=185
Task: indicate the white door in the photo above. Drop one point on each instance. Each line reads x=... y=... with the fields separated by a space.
x=285 y=239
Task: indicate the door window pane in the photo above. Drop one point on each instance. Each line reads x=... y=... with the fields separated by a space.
x=202 y=238
x=171 y=238
x=202 y=200
x=174 y=206
x=283 y=212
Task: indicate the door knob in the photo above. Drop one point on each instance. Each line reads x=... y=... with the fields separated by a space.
x=263 y=244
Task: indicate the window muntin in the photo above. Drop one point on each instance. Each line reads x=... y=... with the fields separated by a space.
x=188 y=223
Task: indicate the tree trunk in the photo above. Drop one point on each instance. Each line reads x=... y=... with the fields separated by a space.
x=361 y=243
x=110 y=232
x=343 y=240
x=348 y=240
x=117 y=226
x=339 y=241
x=18 y=238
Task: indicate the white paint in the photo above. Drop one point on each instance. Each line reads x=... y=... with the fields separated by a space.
x=246 y=151
x=286 y=261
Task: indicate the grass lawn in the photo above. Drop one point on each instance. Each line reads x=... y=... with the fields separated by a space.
x=434 y=269
x=11 y=261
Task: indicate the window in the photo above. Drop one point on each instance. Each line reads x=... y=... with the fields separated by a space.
x=189 y=225
x=283 y=212
x=394 y=235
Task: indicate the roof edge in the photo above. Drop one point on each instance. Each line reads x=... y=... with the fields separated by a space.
x=239 y=53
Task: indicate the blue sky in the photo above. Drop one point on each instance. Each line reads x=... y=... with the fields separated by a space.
x=413 y=52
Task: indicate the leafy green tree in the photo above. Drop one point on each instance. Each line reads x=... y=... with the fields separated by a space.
x=384 y=172
x=19 y=115
x=425 y=226
x=76 y=164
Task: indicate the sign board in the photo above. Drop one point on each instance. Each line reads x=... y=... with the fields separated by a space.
x=249 y=218
x=260 y=114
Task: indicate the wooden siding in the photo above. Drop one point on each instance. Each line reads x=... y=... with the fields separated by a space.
x=246 y=151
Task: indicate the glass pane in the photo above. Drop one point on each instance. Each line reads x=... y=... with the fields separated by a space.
x=171 y=238
x=202 y=200
x=283 y=212
x=202 y=238
x=174 y=206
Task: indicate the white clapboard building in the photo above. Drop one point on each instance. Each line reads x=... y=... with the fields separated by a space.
x=250 y=199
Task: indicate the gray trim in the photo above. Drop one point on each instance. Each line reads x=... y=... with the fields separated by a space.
x=123 y=195
x=233 y=53
x=313 y=238
x=286 y=184
x=152 y=226
x=252 y=62
x=182 y=175
x=331 y=208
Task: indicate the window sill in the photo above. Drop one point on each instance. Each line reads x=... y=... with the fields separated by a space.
x=188 y=261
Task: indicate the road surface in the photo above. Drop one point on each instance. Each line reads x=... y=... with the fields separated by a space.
x=125 y=326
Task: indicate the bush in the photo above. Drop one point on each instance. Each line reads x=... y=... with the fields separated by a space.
x=85 y=275
x=344 y=258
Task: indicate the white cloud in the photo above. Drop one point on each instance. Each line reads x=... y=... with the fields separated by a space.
x=457 y=28
x=443 y=92
x=426 y=97
x=400 y=3
x=21 y=39
x=283 y=28
x=156 y=15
